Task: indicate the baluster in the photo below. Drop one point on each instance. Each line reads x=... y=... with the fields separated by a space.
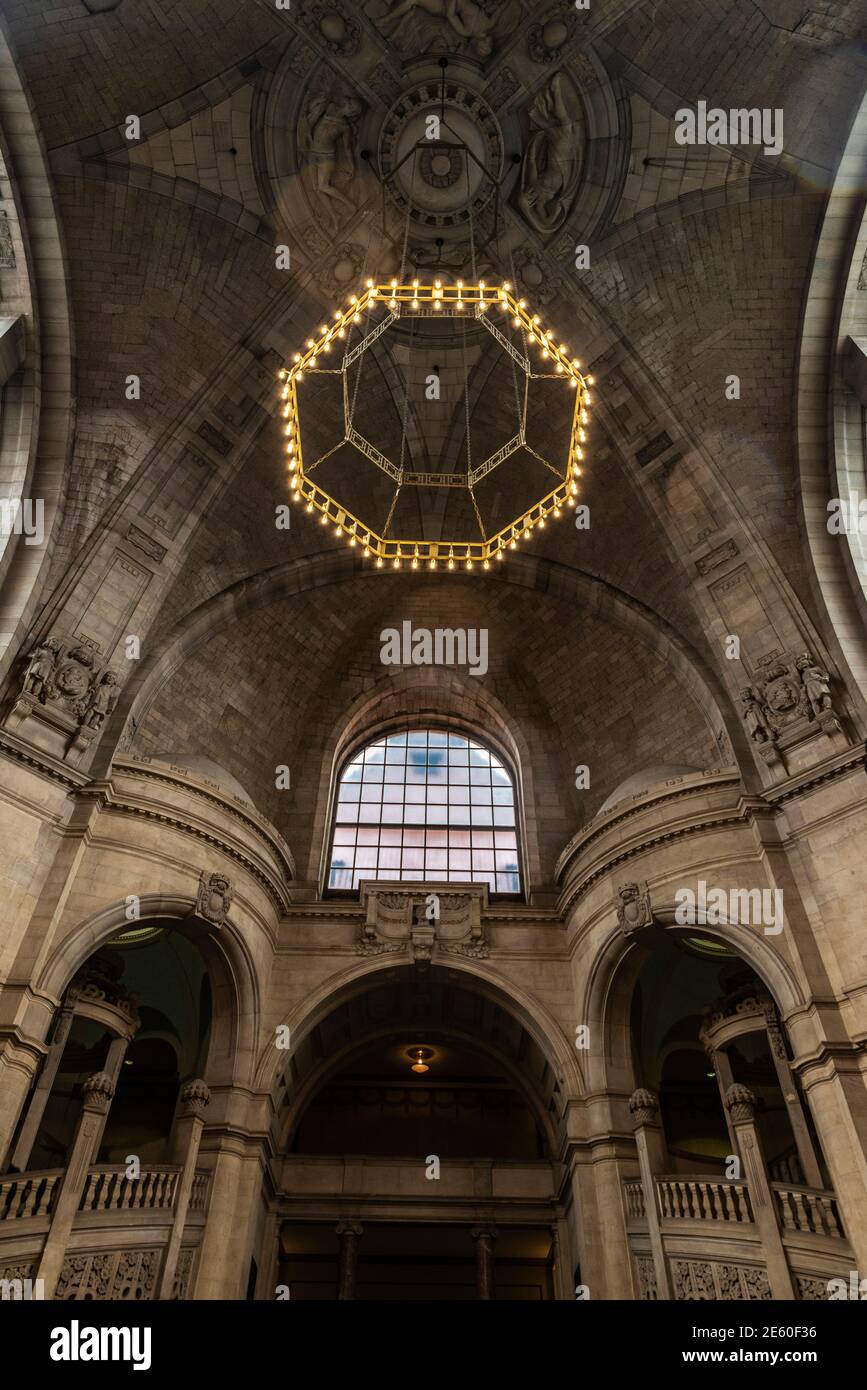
x=146 y=1190
x=787 y=1211
x=744 y=1213
x=728 y=1213
x=45 y=1196
x=29 y=1191
x=87 y=1196
x=104 y=1198
x=5 y=1189
x=802 y=1218
x=829 y=1214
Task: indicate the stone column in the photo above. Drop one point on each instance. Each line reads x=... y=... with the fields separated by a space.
x=348 y=1234
x=234 y=1200
x=114 y=1061
x=41 y=1091
x=649 y=1141
x=797 y=1118
x=741 y=1104
x=97 y=1093
x=195 y=1096
x=484 y=1236
x=560 y=1250
x=722 y=1066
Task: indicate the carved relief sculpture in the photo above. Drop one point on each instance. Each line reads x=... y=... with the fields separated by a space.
x=786 y=698
x=67 y=691
x=327 y=141
x=551 y=169
x=633 y=909
x=214 y=898
x=468 y=20
x=37 y=677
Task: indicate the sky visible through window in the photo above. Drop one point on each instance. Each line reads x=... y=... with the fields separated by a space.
x=425 y=804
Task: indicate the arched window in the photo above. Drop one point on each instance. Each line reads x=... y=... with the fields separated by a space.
x=425 y=804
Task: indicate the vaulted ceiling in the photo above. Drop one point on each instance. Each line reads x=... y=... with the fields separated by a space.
x=258 y=129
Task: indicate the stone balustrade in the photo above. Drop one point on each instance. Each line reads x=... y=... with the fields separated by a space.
x=713 y=1247
x=24 y=1195
x=108 y=1188
x=702 y=1199
x=805 y=1210
x=634 y=1193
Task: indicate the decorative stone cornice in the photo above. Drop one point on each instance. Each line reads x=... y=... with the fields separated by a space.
x=104 y=794
x=635 y=805
x=747 y=809
x=20 y=751
x=130 y=766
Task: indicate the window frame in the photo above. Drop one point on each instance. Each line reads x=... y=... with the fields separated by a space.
x=364 y=741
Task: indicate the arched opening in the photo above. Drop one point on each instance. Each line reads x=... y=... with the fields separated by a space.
x=701 y=1021
x=138 y=1008
x=426 y=1119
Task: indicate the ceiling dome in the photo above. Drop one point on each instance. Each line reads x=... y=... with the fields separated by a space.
x=643 y=781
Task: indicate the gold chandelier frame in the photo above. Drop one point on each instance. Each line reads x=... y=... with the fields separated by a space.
x=414 y=300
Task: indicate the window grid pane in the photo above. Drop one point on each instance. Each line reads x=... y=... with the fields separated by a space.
x=425 y=805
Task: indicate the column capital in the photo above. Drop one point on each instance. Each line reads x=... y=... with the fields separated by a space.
x=349 y=1228
x=741 y=1103
x=97 y=1092
x=195 y=1096
x=482 y=1232
x=643 y=1107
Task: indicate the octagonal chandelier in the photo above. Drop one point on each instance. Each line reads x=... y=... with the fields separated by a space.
x=456 y=474
x=409 y=301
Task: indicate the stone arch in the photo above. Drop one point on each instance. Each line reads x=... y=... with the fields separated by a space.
x=476 y=977
x=611 y=984
x=830 y=454
x=234 y=981
x=312 y=1082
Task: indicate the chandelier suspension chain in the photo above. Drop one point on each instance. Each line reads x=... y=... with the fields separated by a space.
x=351 y=412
